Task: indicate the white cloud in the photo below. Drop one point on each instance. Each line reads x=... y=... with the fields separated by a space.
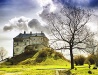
x=20 y=23
x=44 y=2
x=47 y=2
x=93 y=26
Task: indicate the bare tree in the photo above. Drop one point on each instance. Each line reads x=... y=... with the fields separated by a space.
x=3 y=53
x=91 y=45
x=69 y=26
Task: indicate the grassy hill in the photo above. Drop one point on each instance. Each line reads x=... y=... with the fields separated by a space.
x=47 y=56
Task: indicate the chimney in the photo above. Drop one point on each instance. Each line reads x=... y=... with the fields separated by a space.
x=41 y=32
x=30 y=32
x=24 y=32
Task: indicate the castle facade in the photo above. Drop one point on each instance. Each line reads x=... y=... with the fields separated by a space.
x=24 y=39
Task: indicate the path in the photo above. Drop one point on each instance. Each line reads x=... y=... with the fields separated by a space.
x=57 y=71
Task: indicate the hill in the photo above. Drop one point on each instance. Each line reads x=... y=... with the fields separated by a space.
x=47 y=56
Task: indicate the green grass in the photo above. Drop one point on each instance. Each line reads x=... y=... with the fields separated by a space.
x=83 y=70
x=44 y=70
x=30 y=66
x=44 y=62
x=46 y=57
x=30 y=70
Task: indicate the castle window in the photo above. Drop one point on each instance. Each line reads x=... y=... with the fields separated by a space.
x=17 y=49
x=17 y=43
x=41 y=38
x=35 y=47
x=14 y=44
x=25 y=43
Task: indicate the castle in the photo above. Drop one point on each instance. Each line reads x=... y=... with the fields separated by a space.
x=23 y=40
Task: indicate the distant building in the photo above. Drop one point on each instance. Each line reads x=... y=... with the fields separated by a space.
x=23 y=40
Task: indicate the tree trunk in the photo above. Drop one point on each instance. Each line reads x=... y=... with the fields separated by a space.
x=71 y=56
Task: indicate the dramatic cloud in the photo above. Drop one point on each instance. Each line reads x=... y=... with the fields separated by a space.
x=47 y=2
x=93 y=3
x=34 y=23
x=21 y=5
x=16 y=8
x=45 y=14
x=24 y=24
x=6 y=28
x=82 y=3
x=17 y=23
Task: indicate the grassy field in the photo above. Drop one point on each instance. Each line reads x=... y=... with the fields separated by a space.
x=83 y=70
x=45 y=62
x=44 y=70
x=30 y=70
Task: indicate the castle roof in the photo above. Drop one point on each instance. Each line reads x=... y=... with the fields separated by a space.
x=30 y=35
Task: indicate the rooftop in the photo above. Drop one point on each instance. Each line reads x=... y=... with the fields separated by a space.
x=26 y=35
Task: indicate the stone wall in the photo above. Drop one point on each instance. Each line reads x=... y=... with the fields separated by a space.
x=20 y=45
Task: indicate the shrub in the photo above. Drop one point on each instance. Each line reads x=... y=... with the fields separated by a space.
x=42 y=56
x=90 y=59
x=79 y=60
x=58 y=56
x=94 y=67
x=89 y=72
x=96 y=59
x=48 y=53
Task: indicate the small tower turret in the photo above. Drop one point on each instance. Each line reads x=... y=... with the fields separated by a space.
x=24 y=32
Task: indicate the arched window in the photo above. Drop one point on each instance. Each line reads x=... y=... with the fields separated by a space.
x=17 y=49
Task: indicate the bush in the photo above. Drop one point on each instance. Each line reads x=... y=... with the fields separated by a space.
x=42 y=56
x=96 y=59
x=90 y=59
x=89 y=72
x=58 y=56
x=48 y=53
x=94 y=67
x=79 y=60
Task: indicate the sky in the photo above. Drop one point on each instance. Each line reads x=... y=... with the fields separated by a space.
x=17 y=16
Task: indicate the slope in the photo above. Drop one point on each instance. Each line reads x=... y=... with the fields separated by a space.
x=47 y=56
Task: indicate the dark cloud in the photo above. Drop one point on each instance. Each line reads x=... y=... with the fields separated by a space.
x=93 y=3
x=66 y=2
x=6 y=28
x=5 y=2
x=20 y=20
x=82 y=3
x=24 y=24
x=34 y=23
x=19 y=4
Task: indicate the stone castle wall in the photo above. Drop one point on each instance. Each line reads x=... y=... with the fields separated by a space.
x=19 y=46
